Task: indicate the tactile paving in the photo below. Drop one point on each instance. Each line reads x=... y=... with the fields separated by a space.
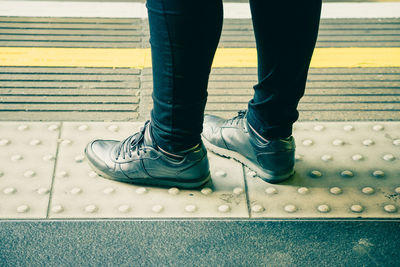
x=27 y=156
x=343 y=170
x=347 y=169
x=79 y=193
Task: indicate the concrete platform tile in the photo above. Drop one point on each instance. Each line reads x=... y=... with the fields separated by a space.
x=27 y=154
x=343 y=170
x=80 y=193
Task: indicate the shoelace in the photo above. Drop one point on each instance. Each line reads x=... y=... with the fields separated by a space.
x=135 y=140
x=241 y=114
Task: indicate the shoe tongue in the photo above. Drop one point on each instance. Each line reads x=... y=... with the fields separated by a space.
x=148 y=139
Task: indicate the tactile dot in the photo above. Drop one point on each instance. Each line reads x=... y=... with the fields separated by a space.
x=141 y=191
x=377 y=127
x=335 y=190
x=91 y=208
x=124 y=208
x=206 y=191
x=368 y=190
x=157 y=208
x=315 y=174
x=348 y=128
x=4 y=142
x=390 y=208
x=396 y=142
x=356 y=208
x=238 y=190
x=57 y=209
x=53 y=127
x=220 y=173
x=397 y=190
x=378 y=174
x=307 y=142
x=93 y=174
x=298 y=157
x=251 y=173
x=48 y=157
x=108 y=190
x=190 y=208
x=303 y=190
x=83 y=127
x=22 y=208
x=389 y=157
x=347 y=173
x=66 y=142
x=9 y=190
x=290 y=208
x=75 y=191
x=338 y=142
x=224 y=208
x=271 y=190
x=357 y=157
x=113 y=128
x=323 y=208
x=29 y=174
x=42 y=190
x=79 y=158
x=35 y=142
x=173 y=191
x=326 y=157
x=368 y=142
x=16 y=157
x=23 y=127
x=257 y=208
x=62 y=174
x=319 y=128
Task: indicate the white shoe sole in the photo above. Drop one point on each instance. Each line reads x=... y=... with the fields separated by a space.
x=264 y=174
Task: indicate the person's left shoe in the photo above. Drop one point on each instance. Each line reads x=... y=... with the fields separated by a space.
x=272 y=160
x=137 y=160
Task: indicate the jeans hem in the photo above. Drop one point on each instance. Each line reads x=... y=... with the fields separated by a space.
x=269 y=132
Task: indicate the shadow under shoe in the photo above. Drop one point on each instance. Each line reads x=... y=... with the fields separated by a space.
x=273 y=161
x=136 y=160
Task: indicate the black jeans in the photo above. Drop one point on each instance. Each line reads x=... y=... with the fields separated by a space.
x=184 y=36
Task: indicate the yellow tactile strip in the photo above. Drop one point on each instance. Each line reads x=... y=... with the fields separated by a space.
x=225 y=57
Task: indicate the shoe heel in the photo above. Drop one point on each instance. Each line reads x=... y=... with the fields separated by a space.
x=277 y=163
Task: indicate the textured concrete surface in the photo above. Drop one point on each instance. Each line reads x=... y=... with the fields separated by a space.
x=121 y=94
x=106 y=94
x=343 y=170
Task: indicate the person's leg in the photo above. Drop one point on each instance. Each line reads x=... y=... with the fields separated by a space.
x=261 y=138
x=285 y=32
x=184 y=36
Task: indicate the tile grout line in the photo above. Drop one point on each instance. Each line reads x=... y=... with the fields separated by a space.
x=246 y=191
x=54 y=171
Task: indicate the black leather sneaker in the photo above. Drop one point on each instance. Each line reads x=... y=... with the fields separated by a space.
x=136 y=160
x=273 y=161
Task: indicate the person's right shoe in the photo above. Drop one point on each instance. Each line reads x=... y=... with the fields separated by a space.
x=137 y=160
x=273 y=161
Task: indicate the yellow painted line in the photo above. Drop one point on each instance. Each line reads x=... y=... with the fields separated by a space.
x=225 y=57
